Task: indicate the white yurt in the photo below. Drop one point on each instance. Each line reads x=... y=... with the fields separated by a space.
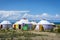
x=34 y=24
x=44 y=25
x=17 y=25
x=6 y=24
x=21 y=23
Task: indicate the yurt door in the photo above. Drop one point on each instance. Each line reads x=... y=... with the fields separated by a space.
x=41 y=27
x=25 y=27
x=19 y=26
x=14 y=26
x=1 y=26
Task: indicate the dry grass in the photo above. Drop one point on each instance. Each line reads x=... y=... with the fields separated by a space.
x=27 y=35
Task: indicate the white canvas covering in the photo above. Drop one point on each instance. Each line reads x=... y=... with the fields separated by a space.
x=52 y=24
x=44 y=22
x=5 y=22
x=37 y=27
x=34 y=23
x=18 y=22
x=23 y=21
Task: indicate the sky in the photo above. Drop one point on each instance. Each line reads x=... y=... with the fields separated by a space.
x=32 y=9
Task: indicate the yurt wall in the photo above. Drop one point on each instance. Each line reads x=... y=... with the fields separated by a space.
x=17 y=26
x=47 y=27
x=8 y=26
x=29 y=26
x=1 y=26
x=25 y=27
x=33 y=27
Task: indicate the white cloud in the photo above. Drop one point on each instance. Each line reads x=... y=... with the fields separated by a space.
x=11 y=14
x=56 y=15
x=16 y=15
x=26 y=14
x=45 y=14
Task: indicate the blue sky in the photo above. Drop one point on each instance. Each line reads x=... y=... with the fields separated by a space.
x=36 y=7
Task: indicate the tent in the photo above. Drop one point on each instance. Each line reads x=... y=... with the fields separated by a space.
x=6 y=24
x=45 y=24
x=33 y=25
x=22 y=23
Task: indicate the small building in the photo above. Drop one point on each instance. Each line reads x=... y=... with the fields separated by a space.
x=5 y=24
x=44 y=25
x=23 y=23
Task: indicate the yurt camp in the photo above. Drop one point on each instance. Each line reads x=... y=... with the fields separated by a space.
x=44 y=25
x=23 y=24
x=5 y=24
x=34 y=24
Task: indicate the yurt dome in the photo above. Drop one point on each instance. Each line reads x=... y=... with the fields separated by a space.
x=34 y=23
x=44 y=22
x=52 y=24
x=5 y=22
x=23 y=21
x=18 y=22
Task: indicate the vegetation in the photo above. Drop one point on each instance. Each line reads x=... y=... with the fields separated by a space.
x=57 y=28
x=12 y=34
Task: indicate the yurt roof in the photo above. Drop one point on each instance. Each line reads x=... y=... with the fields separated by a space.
x=34 y=23
x=17 y=22
x=52 y=24
x=44 y=22
x=23 y=21
x=5 y=22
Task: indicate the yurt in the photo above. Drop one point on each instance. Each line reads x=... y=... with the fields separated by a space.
x=24 y=24
x=34 y=24
x=17 y=25
x=5 y=24
x=53 y=24
x=44 y=25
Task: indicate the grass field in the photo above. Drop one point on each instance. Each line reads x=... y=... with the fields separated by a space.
x=27 y=35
